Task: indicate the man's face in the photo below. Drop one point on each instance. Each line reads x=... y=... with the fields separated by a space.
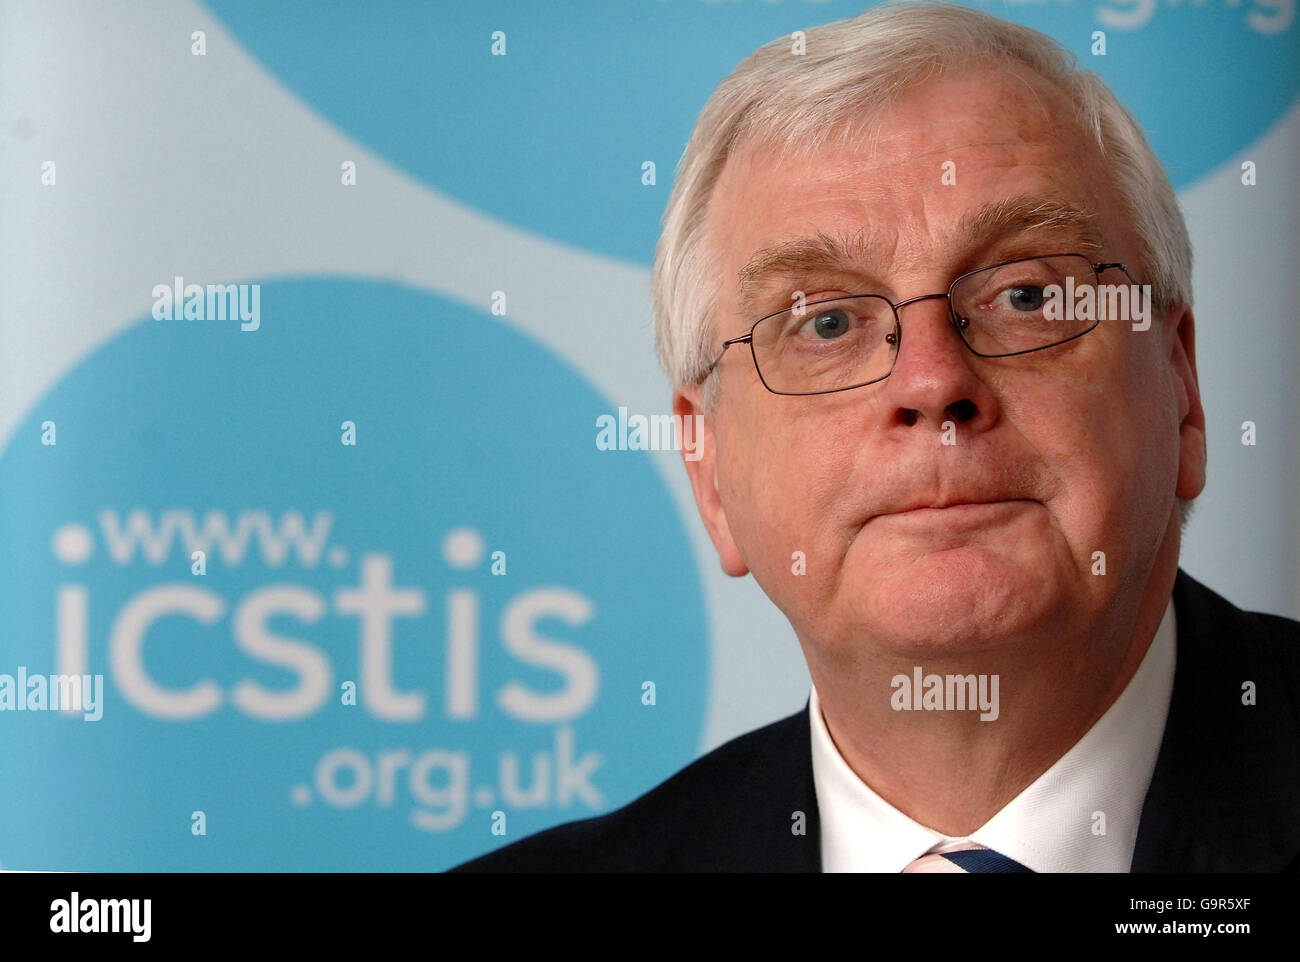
x=1080 y=444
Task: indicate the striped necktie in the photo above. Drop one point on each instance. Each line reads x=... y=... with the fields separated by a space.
x=966 y=858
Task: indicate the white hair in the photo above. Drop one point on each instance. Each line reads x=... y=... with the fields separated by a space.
x=799 y=104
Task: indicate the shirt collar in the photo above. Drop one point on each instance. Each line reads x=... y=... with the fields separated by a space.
x=1081 y=815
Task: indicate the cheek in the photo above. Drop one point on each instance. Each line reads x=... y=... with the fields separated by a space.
x=783 y=485
x=1153 y=386
x=1100 y=430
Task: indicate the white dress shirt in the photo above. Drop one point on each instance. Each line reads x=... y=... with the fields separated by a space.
x=1051 y=826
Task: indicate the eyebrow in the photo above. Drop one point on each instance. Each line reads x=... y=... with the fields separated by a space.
x=1019 y=218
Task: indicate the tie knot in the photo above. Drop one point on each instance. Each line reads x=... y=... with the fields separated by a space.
x=966 y=857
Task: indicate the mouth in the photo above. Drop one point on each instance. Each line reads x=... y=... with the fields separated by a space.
x=957 y=512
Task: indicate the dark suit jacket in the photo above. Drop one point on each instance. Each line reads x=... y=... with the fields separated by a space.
x=1224 y=796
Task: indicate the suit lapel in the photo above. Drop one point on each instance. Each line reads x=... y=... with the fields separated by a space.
x=764 y=797
x=1223 y=793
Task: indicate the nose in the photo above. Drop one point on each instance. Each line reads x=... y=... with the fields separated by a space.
x=933 y=380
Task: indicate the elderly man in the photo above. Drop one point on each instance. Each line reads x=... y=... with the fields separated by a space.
x=884 y=281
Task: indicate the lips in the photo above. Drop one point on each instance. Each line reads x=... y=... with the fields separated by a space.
x=952 y=507
x=954 y=502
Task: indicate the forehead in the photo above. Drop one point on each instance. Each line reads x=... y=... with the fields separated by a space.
x=953 y=152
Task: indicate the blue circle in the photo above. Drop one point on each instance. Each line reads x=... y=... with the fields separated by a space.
x=552 y=137
x=460 y=422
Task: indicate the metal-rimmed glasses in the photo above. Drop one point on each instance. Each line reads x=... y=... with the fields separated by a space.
x=846 y=342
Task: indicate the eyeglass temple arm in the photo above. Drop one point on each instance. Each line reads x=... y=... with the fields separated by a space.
x=725 y=344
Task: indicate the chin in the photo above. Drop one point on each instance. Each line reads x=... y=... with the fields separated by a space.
x=959 y=599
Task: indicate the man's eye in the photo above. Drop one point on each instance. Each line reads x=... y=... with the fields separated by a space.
x=1025 y=297
x=827 y=325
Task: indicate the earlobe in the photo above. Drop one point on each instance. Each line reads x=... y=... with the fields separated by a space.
x=701 y=467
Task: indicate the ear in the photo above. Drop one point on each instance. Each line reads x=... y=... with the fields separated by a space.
x=1191 y=429
x=701 y=461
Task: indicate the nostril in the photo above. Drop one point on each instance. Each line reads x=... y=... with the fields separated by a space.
x=962 y=410
x=908 y=416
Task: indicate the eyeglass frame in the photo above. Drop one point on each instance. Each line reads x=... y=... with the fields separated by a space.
x=956 y=322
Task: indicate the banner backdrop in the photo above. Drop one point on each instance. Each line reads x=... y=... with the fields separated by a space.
x=312 y=315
